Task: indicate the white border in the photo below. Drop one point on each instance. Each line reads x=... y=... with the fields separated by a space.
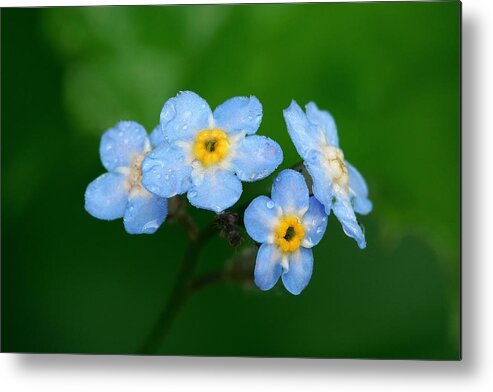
x=474 y=373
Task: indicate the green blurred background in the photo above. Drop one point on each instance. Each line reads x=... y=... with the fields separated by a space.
x=388 y=72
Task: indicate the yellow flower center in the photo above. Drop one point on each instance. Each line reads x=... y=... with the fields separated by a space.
x=211 y=146
x=289 y=233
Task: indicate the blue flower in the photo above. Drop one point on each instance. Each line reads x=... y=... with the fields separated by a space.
x=207 y=155
x=288 y=225
x=157 y=137
x=336 y=183
x=119 y=193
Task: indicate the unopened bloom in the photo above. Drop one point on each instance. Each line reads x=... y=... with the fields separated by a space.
x=206 y=154
x=288 y=225
x=336 y=183
x=119 y=193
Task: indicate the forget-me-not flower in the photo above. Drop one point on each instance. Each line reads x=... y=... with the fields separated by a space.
x=288 y=225
x=336 y=183
x=119 y=193
x=206 y=154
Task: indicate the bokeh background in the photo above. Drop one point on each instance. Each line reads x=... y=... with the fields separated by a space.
x=388 y=72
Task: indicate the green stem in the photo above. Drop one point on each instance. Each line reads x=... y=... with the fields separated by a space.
x=178 y=214
x=179 y=293
x=207 y=280
x=185 y=283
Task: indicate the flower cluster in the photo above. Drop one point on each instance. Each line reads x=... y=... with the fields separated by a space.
x=208 y=154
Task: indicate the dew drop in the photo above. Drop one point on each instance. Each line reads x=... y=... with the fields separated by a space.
x=192 y=194
x=270 y=204
x=152 y=225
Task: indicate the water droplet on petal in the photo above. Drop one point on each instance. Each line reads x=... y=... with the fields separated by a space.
x=270 y=204
x=152 y=225
x=192 y=194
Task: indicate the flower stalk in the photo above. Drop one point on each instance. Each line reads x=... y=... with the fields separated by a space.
x=179 y=293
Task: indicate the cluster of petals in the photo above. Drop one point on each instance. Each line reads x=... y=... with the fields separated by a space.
x=207 y=154
x=193 y=150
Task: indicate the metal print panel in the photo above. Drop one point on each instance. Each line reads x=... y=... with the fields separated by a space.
x=232 y=180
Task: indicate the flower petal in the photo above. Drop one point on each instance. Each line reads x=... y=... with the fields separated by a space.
x=260 y=218
x=256 y=157
x=322 y=182
x=239 y=114
x=361 y=203
x=289 y=191
x=324 y=121
x=297 y=277
x=165 y=171
x=314 y=223
x=157 y=137
x=184 y=115
x=305 y=136
x=107 y=196
x=214 y=189
x=343 y=210
x=120 y=144
x=267 y=267
x=145 y=213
